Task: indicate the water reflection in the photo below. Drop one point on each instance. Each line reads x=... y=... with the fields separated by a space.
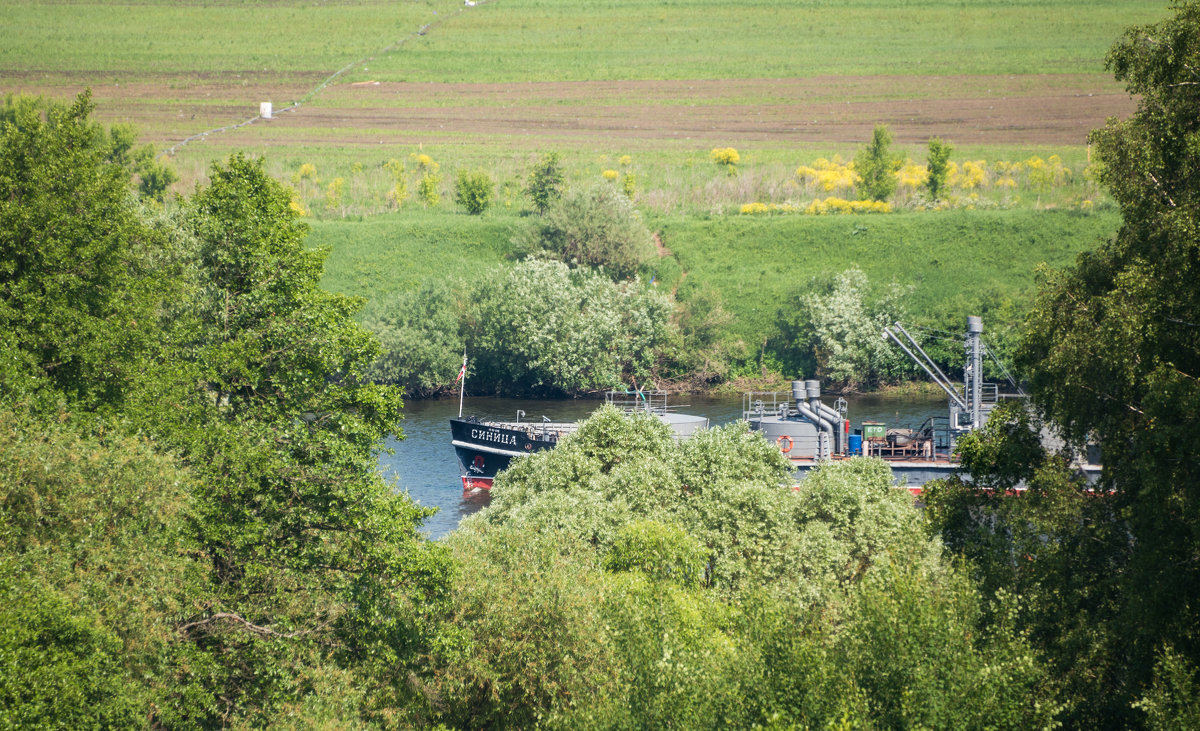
x=424 y=465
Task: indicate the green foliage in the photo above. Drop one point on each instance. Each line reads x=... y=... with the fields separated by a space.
x=876 y=164
x=264 y=572
x=913 y=644
x=429 y=189
x=474 y=190
x=1113 y=351
x=822 y=605
x=1174 y=699
x=95 y=570
x=838 y=329
x=936 y=165
x=701 y=350
x=539 y=327
x=594 y=227
x=629 y=184
x=546 y=181
x=312 y=554
x=1055 y=547
x=532 y=642
x=660 y=551
x=59 y=668
x=418 y=332
x=153 y=177
x=79 y=289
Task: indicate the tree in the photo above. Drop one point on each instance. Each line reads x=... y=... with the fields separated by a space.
x=1113 y=349
x=877 y=166
x=81 y=274
x=594 y=227
x=311 y=553
x=838 y=327
x=419 y=335
x=937 y=166
x=545 y=182
x=95 y=568
x=473 y=190
x=540 y=327
x=632 y=579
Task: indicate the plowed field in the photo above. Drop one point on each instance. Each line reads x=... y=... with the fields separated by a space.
x=969 y=110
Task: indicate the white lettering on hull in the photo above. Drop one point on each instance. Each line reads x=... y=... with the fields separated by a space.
x=492 y=435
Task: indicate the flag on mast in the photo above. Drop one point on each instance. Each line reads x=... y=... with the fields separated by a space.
x=462 y=371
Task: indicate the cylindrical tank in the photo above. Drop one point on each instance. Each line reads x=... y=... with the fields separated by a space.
x=855 y=444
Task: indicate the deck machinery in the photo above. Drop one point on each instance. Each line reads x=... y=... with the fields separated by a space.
x=809 y=431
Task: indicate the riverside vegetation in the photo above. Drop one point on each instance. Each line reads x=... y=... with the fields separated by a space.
x=193 y=533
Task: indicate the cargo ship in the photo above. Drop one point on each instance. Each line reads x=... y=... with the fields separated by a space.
x=484 y=447
x=812 y=433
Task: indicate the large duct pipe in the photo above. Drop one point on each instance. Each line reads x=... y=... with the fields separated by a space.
x=812 y=389
x=839 y=431
x=822 y=424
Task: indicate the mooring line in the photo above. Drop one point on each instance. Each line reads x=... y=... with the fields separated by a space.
x=423 y=30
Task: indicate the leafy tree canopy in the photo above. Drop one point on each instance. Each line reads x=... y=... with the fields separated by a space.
x=876 y=164
x=594 y=227
x=80 y=289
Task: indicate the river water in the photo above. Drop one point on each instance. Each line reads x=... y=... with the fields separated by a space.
x=423 y=462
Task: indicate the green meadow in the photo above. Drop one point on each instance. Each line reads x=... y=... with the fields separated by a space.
x=548 y=40
x=947 y=260
x=177 y=68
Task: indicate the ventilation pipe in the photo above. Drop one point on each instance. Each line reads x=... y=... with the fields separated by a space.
x=823 y=426
x=813 y=390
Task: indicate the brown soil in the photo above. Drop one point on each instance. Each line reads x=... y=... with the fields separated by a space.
x=1017 y=110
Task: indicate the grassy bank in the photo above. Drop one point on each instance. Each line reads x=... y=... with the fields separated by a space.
x=953 y=260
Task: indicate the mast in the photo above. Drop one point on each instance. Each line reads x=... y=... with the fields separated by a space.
x=973 y=373
x=462 y=376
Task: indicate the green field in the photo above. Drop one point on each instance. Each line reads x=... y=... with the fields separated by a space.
x=949 y=259
x=550 y=40
x=462 y=85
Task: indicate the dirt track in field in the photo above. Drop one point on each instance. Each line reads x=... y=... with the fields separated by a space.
x=1018 y=110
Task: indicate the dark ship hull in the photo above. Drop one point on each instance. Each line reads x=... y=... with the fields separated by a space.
x=483 y=448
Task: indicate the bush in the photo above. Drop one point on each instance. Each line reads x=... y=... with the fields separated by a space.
x=596 y=226
x=836 y=330
x=418 y=332
x=474 y=190
x=541 y=328
x=938 y=166
x=877 y=166
x=429 y=189
x=727 y=157
x=545 y=182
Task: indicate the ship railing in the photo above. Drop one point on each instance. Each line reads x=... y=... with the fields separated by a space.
x=650 y=401
x=765 y=403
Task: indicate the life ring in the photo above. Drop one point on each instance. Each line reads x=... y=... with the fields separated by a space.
x=782 y=447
